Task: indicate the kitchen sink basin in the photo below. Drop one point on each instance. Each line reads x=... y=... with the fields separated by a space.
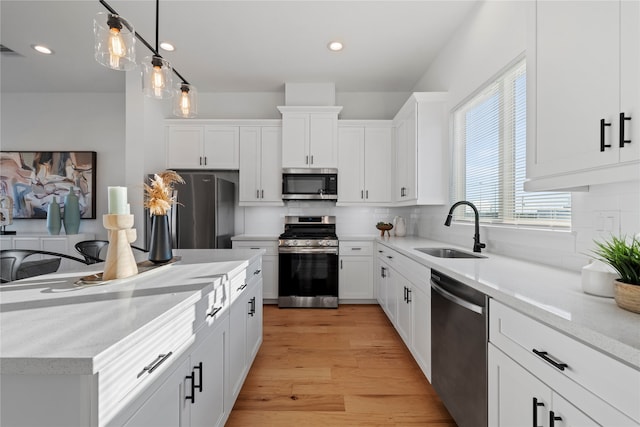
x=448 y=253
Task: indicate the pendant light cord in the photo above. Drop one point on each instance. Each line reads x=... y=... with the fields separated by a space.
x=144 y=42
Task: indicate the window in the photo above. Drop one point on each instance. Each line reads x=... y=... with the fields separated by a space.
x=489 y=158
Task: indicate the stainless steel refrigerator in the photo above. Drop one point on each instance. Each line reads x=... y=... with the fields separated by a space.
x=204 y=215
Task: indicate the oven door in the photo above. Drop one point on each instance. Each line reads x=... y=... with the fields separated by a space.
x=308 y=277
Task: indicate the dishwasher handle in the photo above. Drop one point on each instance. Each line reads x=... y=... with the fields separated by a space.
x=456 y=299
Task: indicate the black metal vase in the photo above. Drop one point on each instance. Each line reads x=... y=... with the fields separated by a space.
x=160 y=243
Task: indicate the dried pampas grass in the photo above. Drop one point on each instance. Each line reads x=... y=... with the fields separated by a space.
x=158 y=197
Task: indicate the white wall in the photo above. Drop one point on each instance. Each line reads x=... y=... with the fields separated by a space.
x=493 y=36
x=68 y=122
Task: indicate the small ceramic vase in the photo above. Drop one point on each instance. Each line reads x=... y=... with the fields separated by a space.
x=53 y=218
x=71 y=217
x=160 y=249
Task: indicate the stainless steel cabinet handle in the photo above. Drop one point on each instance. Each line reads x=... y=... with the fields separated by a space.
x=457 y=300
x=154 y=365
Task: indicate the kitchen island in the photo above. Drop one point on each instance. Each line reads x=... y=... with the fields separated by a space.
x=94 y=355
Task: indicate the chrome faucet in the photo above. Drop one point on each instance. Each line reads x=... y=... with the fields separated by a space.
x=477 y=245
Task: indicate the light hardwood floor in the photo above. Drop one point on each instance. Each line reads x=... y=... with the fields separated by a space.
x=344 y=367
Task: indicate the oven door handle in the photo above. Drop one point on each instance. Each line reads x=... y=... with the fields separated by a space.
x=456 y=299
x=293 y=250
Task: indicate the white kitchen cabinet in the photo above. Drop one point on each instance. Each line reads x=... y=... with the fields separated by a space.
x=421 y=133
x=310 y=137
x=260 y=166
x=202 y=146
x=245 y=334
x=524 y=400
x=355 y=276
x=193 y=395
x=582 y=82
x=559 y=373
x=269 y=264
x=364 y=163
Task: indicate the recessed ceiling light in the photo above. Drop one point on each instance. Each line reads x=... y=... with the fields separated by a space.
x=42 y=49
x=335 y=46
x=167 y=46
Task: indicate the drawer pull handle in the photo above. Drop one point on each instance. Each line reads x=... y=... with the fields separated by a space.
x=536 y=404
x=154 y=365
x=553 y=418
x=242 y=287
x=192 y=398
x=255 y=273
x=199 y=385
x=356 y=249
x=544 y=355
x=389 y=256
x=254 y=248
x=623 y=141
x=214 y=311
x=602 y=137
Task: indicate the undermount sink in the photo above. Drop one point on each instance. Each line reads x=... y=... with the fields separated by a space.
x=448 y=253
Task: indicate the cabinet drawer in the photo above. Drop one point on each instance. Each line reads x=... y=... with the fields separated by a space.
x=521 y=337
x=388 y=255
x=238 y=284
x=127 y=376
x=271 y=247
x=356 y=248
x=213 y=305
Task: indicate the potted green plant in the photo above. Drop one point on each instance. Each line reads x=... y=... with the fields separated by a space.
x=623 y=254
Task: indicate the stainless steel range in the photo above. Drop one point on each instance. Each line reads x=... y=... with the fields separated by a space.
x=308 y=262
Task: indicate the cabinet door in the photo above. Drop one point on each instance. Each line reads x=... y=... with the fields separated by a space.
x=630 y=83
x=380 y=282
x=512 y=391
x=406 y=158
x=391 y=294
x=355 y=277
x=167 y=406
x=323 y=140
x=403 y=320
x=295 y=140
x=421 y=329
x=577 y=85
x=254 y=322
x=221 y=147
x=377 y=165
x=184 y=146
x=208 y=364
x=351 y=164
x=569 y=415
x=249 y=178
x=271 y=165
x=270 y=276
x=238 y=343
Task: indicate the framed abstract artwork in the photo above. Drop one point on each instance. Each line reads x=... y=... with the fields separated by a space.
x=32 y=179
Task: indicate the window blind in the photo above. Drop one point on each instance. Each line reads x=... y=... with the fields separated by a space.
x=489 y=158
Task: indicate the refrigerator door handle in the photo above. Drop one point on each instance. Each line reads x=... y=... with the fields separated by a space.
x=174 y=220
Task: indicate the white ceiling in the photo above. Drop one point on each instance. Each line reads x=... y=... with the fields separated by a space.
x=238 y=45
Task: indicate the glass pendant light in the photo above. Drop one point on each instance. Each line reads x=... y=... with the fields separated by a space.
x=115 y=43
x=186 y=102
x=156 y=74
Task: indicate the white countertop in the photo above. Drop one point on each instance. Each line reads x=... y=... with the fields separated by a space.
x=550 y=295
x=50 y=325
x=254 y=237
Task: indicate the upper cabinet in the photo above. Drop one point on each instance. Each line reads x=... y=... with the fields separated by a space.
x=260 y=166
x=365 y=166
x=583 y=100
x=310 y=137
x=421 y=131
x=203 y=146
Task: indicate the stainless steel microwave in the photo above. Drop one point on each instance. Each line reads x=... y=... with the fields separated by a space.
x=309 y=184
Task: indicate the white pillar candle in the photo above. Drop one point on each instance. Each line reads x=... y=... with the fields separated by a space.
x=118 y=200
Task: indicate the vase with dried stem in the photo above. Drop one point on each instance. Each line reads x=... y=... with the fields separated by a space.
x=159 y=199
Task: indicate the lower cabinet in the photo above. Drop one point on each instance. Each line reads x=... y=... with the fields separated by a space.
x=245 y=330
x=402 y=290
x=194 y=393
x=541 y=377
x=356 y=270
x=269 y=264
x=524 y=399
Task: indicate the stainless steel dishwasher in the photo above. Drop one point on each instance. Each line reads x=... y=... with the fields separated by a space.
x=459 y=349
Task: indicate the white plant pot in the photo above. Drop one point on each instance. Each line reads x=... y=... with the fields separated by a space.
x=598 y=278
